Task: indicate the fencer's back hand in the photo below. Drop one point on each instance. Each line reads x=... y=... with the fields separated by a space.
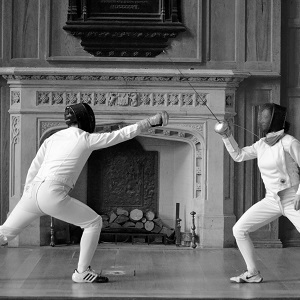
x=223 y=128
x=297 y=202
x=160 y=119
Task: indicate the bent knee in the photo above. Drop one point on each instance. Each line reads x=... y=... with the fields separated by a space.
x=239 y=233
x=94 y=225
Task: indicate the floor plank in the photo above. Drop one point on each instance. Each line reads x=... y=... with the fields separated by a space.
x=147 y=272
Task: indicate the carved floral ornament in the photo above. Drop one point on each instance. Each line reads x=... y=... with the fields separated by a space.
x=132 y=99
x=132 y=78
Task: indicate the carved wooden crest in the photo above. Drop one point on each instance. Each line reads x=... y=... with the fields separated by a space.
x=124 y=28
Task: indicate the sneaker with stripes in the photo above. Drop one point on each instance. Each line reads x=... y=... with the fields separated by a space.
x=88 y=276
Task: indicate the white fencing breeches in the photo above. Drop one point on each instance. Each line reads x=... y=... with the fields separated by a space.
x=260 y=214
x=52 y=198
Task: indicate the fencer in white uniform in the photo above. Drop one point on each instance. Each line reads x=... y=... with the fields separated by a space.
x=53 y=173
x=278 y=158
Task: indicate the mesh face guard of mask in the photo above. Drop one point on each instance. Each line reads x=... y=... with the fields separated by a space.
x=278 y=116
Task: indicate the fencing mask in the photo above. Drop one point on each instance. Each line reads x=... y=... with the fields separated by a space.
x=82 y=114
x=272 y=118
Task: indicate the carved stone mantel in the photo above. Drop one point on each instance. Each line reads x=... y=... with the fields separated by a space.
x=38 y=97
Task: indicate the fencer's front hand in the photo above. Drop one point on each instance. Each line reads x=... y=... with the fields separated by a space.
x=160 y=119
x=223 y=129
x=297 y=202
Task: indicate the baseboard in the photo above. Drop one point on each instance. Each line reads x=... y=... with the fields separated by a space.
x=268 y=244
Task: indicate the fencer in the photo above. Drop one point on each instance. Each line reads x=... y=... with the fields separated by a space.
x=53 y=173
x=278 y=158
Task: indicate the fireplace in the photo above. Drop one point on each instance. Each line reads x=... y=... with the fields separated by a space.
x=190 y=156
x=123 y=176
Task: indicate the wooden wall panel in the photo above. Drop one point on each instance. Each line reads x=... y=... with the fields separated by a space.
x=62 y=43
x=25 y=26
x=222 y=39
x=294 y=56
x=258 y=30
x=1 y=28
x=221 y=34
x=4 y=150
x=291 y=92
x=188 y=45
x=262 y=44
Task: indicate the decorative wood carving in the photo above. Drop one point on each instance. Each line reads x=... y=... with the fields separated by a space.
x=123 y=176
x=15 y=140
x=127 y=28
x=133 y=99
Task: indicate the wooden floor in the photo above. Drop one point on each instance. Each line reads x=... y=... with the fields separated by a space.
x=143 y=271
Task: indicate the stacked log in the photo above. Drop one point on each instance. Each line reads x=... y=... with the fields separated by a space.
x=135 y=219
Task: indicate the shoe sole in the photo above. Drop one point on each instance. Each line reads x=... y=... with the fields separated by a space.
x=244 y=281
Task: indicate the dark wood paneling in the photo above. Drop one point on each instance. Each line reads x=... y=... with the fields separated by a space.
x=291 y=92
x=1 y=28
x=258 y=30
x=188 y=45
x=222 y=40
x=25 y=28
x=293 y=56
x=4 y=151
x=62 y=43
x=263 y=27
x=231 y=34
x=244 y=35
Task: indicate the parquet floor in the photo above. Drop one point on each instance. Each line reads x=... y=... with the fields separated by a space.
x=147 y=272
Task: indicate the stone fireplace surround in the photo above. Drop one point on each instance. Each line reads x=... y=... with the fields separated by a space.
x=191 y=154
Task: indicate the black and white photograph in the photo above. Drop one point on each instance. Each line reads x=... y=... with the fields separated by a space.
x=149 y=149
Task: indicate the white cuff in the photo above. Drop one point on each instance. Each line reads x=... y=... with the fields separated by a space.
x=230 y=144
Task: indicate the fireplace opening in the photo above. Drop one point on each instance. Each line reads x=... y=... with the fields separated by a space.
x=123 y=176
x=146 y=173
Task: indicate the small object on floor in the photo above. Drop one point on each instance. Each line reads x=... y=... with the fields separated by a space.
x=118 y=271
x=88 y=276
x=247 y=277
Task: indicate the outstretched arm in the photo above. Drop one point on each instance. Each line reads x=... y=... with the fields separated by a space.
x=238 y=154
x=104 y=140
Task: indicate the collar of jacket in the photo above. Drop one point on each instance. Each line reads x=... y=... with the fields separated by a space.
x=273 y=137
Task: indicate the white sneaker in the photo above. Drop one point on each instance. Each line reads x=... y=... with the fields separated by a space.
x=89 y=276
x=3 y=240
x=247 y=277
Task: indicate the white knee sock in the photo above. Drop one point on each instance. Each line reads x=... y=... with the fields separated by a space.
x=247 y=250
x=88 y=244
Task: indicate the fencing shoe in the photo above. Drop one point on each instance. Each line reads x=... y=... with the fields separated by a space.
x=88 y=276
x=247 y=277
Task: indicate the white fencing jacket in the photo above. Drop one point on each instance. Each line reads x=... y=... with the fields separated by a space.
x=278 y=164
x=62 y=156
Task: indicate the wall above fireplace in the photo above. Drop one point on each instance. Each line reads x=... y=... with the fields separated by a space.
x=191 y=155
